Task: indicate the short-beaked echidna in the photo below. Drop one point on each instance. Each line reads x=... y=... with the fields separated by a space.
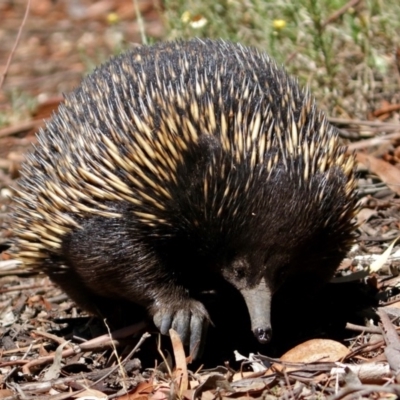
x=175 y=166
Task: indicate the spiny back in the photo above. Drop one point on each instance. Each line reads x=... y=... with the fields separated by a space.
x=195 y=137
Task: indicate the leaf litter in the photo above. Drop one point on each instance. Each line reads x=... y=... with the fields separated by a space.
x=338 y=346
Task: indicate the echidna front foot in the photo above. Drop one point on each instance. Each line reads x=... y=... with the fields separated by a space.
x=191 y=322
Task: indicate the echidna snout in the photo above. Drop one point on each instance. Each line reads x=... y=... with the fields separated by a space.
x=258 y=302
x=177 y=166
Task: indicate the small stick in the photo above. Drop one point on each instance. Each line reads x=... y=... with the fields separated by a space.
x=3 y=77
x=340 y=12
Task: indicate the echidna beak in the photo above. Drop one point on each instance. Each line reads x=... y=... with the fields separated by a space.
x=258 y=301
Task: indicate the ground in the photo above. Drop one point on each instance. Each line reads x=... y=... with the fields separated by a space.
x=340 y=342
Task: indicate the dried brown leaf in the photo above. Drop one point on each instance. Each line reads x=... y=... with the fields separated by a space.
x=6 y=393
x=140 y=392
x=55 y=369
x=90 y=394
x=181 y=372
x=386 y=172
x=316 y=350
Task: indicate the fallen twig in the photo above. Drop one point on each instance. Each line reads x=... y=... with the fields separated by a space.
x=3 y=77
x=340 y=12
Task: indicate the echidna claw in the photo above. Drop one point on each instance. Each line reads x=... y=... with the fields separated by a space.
x=181 y=324
x=190 y=322
x=198 y=331
x=165 y=325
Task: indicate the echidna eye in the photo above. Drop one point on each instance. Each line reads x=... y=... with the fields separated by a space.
x=240 y=272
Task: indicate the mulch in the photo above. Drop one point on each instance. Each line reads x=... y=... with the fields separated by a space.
x=339 y=342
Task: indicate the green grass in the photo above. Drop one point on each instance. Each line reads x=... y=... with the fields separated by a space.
x=349 y=63
x=19 y=106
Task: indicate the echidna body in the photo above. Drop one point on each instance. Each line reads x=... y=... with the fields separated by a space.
x=176 y=166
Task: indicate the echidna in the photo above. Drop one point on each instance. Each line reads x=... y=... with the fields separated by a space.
x=176 y=166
